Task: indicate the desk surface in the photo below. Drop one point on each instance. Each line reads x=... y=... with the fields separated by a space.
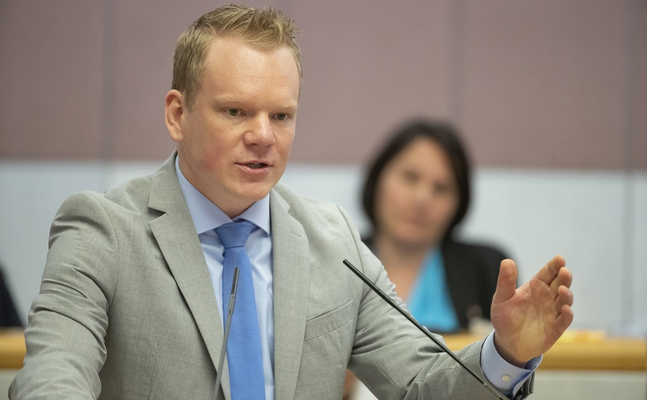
x=583 y=352
x=12 y=348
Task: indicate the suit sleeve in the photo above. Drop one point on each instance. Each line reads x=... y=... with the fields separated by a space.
x=68 y=320
x=394 y=359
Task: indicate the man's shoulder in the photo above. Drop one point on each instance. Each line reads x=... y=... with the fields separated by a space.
x=128 y=195
x=311 y=212
x=132 y=193
x=297 y=202
x=129 y=199
x=137 y=194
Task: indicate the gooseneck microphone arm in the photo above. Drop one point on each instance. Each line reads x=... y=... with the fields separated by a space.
x=408 y=316
x=230 y=313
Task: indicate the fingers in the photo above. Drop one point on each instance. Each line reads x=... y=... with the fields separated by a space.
x=564 y=297
x=507 y=282
x=565 y=277
x=550 y=271
x=564 y=319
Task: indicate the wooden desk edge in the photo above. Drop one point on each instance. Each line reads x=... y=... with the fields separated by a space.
x=12 y=348
x=613 y=354
x=610 y=354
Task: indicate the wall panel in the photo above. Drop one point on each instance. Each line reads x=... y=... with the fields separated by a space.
x=639 y=86
x=544 y=83
x=552 y=92
x=50 y=79
x=367 y=68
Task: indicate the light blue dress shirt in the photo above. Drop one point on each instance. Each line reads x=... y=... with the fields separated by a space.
x=207 y=216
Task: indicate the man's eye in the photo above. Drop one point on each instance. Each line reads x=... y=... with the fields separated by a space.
x=233 y=112
x=281 y=116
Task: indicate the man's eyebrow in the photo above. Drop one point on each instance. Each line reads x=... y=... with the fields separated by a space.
x=234 y=101
x=227 y=99
x=290 y=106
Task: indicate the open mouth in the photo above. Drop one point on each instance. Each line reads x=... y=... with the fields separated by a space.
x=256 y=165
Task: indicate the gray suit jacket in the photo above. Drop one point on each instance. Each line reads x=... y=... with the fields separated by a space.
x=126 y=309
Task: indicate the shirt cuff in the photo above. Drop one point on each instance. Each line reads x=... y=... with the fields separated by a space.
x=501 y=374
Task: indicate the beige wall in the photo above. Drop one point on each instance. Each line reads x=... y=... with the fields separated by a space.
x=532 y=83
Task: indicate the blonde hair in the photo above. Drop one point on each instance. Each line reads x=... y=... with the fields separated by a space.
x=264 y=28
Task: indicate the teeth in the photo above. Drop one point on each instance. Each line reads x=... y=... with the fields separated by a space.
x=255 y=165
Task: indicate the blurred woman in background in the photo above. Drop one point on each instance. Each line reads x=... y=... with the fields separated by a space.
x=416 y=193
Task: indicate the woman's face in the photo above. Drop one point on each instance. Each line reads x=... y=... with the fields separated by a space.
x=417 y=195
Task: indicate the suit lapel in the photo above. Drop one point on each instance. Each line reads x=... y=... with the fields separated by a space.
x=178 y=240
x=291 y=271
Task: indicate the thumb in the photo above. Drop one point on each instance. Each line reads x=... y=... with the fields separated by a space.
x=507 y=283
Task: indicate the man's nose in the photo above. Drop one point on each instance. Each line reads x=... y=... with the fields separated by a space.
x=260 y=132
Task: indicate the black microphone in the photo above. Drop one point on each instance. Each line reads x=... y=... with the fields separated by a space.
x=230 y=313
x=408 y=316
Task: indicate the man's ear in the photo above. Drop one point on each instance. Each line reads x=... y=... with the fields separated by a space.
x=173 y=110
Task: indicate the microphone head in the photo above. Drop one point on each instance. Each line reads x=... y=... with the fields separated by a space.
x=234 y=285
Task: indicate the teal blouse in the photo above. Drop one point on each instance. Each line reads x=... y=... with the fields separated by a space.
x=429 y=301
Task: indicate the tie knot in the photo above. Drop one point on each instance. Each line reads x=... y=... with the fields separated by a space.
x=234 y=234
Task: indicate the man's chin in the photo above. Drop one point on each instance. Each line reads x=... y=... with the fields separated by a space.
x=255 y=192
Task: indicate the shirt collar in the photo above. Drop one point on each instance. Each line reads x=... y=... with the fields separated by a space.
x=207 y=216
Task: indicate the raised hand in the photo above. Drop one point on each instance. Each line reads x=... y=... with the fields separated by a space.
x=530 y=319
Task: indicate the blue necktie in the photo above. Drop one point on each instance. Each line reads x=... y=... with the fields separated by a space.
x=244 y=355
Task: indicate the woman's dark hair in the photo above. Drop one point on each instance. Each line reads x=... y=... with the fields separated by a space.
x=441 y=133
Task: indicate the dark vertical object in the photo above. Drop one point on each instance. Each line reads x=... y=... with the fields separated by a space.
x=8 y=315
x=225 y=339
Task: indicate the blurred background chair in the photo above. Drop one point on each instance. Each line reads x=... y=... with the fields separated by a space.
x=8 y=314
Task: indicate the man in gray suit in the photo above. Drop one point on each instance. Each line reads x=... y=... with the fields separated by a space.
x=131 y=302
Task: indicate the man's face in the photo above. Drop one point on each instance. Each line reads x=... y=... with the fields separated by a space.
x=235 y=139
